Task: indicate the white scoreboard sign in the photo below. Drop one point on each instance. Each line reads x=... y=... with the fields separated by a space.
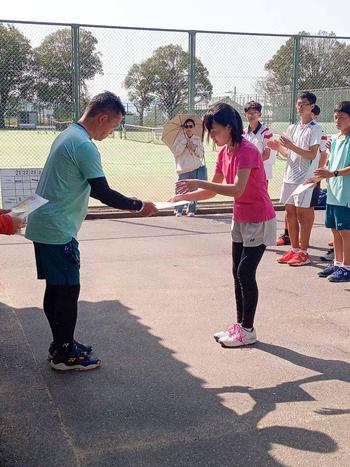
x=18 y=184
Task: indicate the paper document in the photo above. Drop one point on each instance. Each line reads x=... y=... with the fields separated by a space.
x=167 y=205
x=301 y=188
x=27 y=206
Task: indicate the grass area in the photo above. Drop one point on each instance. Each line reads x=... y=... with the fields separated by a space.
x=145 y=170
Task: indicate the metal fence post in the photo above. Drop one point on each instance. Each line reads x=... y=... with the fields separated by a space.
x=75 y=73
x=191 y=69
x=295 y=78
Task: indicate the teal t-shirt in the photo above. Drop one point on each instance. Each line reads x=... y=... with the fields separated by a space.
x=73 y=159
x=338 y=191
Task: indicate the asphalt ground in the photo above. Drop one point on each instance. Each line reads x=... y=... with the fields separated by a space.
x=153 y=292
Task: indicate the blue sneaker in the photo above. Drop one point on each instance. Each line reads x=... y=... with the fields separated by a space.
x=87 y=349
x=328 y=271
x=74 y=360
x=340 y=275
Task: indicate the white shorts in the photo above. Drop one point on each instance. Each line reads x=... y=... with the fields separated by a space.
x=306 y=199
x=254 y=233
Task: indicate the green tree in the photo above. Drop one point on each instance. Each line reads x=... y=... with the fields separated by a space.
x=16 y=60
x=324 y=63
x=164 y=78
x=139 y=84
x=53 y=60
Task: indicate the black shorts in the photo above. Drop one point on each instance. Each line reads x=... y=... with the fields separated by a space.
x=58 y=264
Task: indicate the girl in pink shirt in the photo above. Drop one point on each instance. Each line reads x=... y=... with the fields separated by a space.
x=240 y=164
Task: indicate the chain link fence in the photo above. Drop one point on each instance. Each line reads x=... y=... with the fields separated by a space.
x=48 y=72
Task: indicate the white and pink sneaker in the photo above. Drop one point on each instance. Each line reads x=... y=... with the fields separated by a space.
x=237 y=337
x=220 y=334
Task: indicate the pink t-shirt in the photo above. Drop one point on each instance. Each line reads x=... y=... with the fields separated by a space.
x=254 y=205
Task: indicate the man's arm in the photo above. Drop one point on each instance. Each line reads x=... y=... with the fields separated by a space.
x=323 y=172
x=266 y=154
x=323 y=159
x=277 y=146
x=308 y=154
x=100 y=190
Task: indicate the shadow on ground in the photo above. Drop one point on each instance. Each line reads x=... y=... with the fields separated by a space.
x=142 y=407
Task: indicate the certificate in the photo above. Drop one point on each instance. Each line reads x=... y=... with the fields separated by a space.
x=301 y=188
x=27 y=206
x=167 y=205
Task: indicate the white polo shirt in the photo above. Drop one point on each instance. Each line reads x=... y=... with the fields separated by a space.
x=260 y=137
x=298 y=169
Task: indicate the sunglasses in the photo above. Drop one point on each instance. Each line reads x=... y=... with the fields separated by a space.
x=188 y=126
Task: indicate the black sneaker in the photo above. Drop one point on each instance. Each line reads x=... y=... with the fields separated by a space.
x=283 y=239
x=86 y=349
x=329 y=256
x=75 y=360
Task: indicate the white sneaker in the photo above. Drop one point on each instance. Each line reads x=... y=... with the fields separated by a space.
x=237 y=337
x=190 y=214
x=178 y=214
x=220 y=334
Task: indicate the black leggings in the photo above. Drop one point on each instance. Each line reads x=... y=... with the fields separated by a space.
x=245 y=261
x=61 y=307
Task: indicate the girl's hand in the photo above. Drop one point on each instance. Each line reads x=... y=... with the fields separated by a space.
x=323 y=172
x=176 y=198
x=185 y=186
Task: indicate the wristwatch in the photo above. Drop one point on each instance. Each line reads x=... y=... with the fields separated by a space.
x=336 y=173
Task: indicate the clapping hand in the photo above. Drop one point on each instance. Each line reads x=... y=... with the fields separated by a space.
x=286 y=142
x=191 y=147
x=274 y=145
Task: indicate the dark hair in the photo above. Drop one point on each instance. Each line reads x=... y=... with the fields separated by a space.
x=316 y=110
x=105 y=102
x=343 y=106
x=225 y=115
x=309 y=96
x=189 y=120
x=252 y=105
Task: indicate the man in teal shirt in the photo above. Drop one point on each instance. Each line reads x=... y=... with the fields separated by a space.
x=338 y=195
x=72 y=173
